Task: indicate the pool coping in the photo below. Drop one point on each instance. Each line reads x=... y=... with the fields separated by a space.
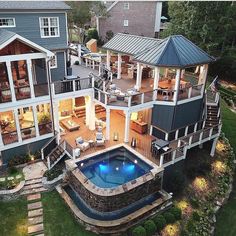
x=72 y=166
x=117 y=222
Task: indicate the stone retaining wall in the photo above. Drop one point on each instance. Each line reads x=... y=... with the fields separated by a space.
x=53 y=183
x=115 y=202
x=12 y=193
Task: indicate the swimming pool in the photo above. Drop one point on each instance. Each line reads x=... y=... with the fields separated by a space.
x=113 y=168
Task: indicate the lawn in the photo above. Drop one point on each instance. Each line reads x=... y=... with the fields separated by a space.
x=58 y=219
x=227 y=215
x=13 y=218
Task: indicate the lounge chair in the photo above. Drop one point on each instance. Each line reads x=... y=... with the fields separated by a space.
x=83 y=145
x=100 y=140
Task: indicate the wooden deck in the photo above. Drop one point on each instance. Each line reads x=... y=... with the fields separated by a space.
x=117 y=126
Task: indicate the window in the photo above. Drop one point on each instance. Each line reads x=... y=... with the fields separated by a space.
x=126 y=6
x=53 y=62
x=126 y=23
x=49 y=27
x=7 y=22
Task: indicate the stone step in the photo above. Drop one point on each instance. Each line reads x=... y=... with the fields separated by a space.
x=34 y=213
x=33 y=181
x=39 y=235
x=32 y=186
x=33 y=197
x=35 y=205
x=35 y=229
x=35 y=190
x=35 y=220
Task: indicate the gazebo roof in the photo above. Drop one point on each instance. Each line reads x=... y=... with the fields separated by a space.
x=174 y=51
x=130 y=44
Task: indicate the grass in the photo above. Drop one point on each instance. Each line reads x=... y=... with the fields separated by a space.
x=13 y=218
x=58 y=219
x=226 y=218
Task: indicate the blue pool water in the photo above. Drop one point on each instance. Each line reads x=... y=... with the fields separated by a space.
x=113 y=215
x=113 y=168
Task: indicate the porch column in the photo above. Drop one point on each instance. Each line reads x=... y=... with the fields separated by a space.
x=108 y=59
x=139 y=75
x=56 y=117
x=29 y=71
x=119 y=66
x=108 y=113
x=156 y=77
x=177 y=83
x=213 y=147
x=203 y=74
x=127 y=124
x=90 y=113
x=79 y=53
x=182 y=73
x=36 y=125
x=17 y=123
x=12 y=87
x=166 y=72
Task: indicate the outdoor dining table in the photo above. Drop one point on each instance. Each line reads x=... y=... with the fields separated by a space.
x=158 y=145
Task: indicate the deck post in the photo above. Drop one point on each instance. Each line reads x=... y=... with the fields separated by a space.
x=156 y=78
x=177 y=83
x=127 y=124
x=213 y=147
x=139 y=75
x=119 y=66
x=108 y=59
x=36 y=125
x=29 y=71
x=107 y=123
x=17 y=124
x=56 y=118
x=10 y=79
x=151 y=129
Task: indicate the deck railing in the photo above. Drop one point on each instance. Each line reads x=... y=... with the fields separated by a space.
x=9 y=137
x=49 y=146
x=69 y=149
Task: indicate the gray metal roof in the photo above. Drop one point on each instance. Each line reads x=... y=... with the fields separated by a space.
x=175 y=51
x=5 y=35
x=130 y=44
x=33 y=5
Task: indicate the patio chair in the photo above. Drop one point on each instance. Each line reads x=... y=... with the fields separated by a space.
x=100 y=140
x=83 y=145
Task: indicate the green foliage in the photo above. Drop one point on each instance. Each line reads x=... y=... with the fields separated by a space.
x=139 y=231
x=196 y=216
x=109 y=35
x=150 y=227
x=160 y=222
x=176 y=182
x=169 y=217
x=211 y=25
x=53 y=173
x=12 y=171
x=176 y=212
x=44 y=118
x=92 y=34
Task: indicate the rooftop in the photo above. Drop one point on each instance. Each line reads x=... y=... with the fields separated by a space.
x=33 y=5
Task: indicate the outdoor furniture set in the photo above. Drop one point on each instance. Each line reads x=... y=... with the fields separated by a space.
x=159 y=146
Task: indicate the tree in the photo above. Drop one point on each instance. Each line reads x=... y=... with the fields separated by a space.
x=211 y=25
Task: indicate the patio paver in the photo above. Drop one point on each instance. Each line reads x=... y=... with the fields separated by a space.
x=35 y=228
x=33 y=197
x=35 y=205
x=35 y=220
x=34 y=213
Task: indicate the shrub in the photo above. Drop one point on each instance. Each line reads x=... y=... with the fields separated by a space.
x=176 y=212
x=169 y=217
x=195 y=216
x=150 y=227
x=12 y=171
x=53 y=173
x=139 y=231
x=160 y=222
x=77 y=63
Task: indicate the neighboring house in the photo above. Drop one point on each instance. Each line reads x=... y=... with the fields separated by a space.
x=33 y=45
x=133 y=17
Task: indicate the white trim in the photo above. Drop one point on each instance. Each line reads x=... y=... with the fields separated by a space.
x=49 y=26
x=114 y=3
x=8 y=26
x=26 y=41
x=67 y=33
x=126 y=23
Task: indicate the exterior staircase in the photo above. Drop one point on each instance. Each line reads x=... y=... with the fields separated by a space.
x=213 y=116
x=81 y=112
x=33 y=186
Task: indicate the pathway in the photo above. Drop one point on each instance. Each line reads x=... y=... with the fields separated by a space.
x=33 y=186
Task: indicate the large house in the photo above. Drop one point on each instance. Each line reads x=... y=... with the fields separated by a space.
x=134 y=113
x=132 y=17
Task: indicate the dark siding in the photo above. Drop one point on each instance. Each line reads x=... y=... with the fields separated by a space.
x=23 y=150
x=40 y=71
x=173 y=117
x=187 y=113
x=27 y=25
x=59 y=72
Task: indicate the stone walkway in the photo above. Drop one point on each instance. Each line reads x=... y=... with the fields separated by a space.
x=35 y=215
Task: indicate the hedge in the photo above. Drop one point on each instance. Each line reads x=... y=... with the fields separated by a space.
x=150 y=227
x=139 y=231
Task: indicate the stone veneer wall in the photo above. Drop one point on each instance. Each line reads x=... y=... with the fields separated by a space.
x=116 y=202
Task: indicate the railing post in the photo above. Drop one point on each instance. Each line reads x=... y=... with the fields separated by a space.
x=186 y=131
x=161 y=160
x=93 y=64
x=200 y=138
x=53 y=89
x=176 y=134
x=166 y=136
x=154 y=96
x=129 y=101
x=49 y=164
x=173 y=156
x=210 y=134
x=93 y=81
x=142 y=98
x=99 y=96
x=105 y=98
x=195 y=127
x=189 y=92
x=179 y=143
x=111 y=76
x=104 y=86
x=73 y=85
x=42 y=154
x=86 y=62
x=190 y=140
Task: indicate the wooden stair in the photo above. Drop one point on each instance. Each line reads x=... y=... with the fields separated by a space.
x=81 y=112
